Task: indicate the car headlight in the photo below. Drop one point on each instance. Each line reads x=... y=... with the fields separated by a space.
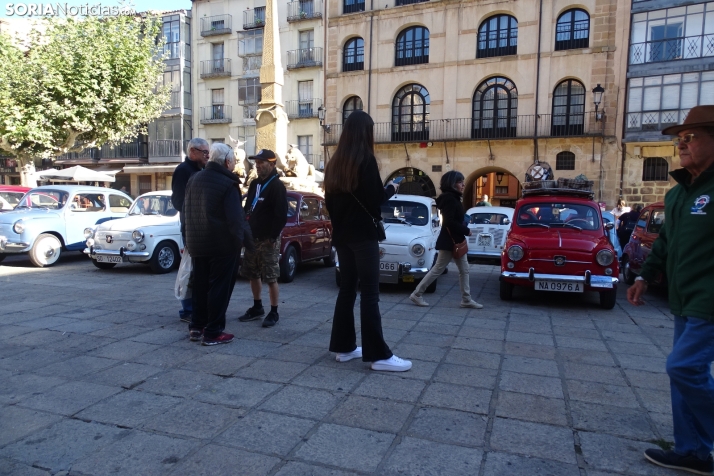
x=18 y=227
x=605 y=257
x=131 y=245
x=88 y=233
x=138 y=236
x=515 y=253
x=418 y=249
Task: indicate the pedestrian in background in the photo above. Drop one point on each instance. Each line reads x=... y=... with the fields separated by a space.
x=353 y=195
x=215 y=233
x=266 y=208
x=453 y=230
x=684 y=252
x=620 y=208
x=627 y=224
x=196 y=158
x=484 y=201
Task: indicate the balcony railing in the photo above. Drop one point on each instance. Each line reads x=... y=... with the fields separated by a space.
x=165 y=148
x=654 y=120
x=517 y=127
x=127 y=150
x=216 y=114
x=251 y=65
x=302 y=109
x=399 y=3
x=351 y=6
x=217 y=25
x=304 y=58
x=672 y=49
x=254 y=18
x=304 y=10
x=215 y=68
x=93 y=153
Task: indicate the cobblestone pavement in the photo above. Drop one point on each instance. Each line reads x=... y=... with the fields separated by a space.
x=98 y=377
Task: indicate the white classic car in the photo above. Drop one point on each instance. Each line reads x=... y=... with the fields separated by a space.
x=489 y=227
x=51 y=219
x=150 y=233
x=412 y=224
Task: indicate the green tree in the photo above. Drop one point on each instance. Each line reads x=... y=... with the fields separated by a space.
x=81 y=83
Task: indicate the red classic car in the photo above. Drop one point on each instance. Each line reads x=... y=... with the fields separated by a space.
x=643 y=236
x=307 y=235
x=558 y=242
x=10 y=196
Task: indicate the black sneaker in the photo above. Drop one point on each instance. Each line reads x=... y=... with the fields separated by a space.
x=271 y=319
x=186 y=317
x=671 y=460
x=252 y=314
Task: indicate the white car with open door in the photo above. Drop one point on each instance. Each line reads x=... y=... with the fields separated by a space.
x=489 y=227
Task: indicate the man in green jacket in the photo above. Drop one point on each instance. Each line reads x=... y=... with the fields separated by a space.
x=684 y=251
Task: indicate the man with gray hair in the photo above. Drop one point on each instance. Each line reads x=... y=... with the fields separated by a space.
x=196 y=158
x=216 y=230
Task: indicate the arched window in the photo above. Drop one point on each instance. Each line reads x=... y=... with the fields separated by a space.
x=410 y=114
x=352 y=104
x=353 y=55
x=495 y=109
x=655 y=169
x=572 y=30
x=568 y=109
x=497 y=36
x=412 y=46
x=565 y=161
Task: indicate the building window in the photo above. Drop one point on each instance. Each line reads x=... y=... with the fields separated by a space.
x=412 y=46
x=655 y=102
x=250 y=43
x=568 y=108
x=495 y=109
x=307 y=39
x=565 y=161
x=352 y=104
x=247 y=134
x=655 y=169
x=497 y=36
x=410 y=113
x=572 y=30
x=305 y=99
x=217 y=104
x=353 y=55
x=351 y=6
x=305 y=146
x=249 y=91
x=172 y=38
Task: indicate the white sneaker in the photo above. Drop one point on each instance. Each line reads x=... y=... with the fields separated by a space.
x=418 y=300
x=355 y=354
x=392 y=364
x=472 y=304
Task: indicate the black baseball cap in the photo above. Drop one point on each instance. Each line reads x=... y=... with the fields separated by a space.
x=264 y=154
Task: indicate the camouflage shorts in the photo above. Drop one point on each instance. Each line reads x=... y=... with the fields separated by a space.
x=262 y=262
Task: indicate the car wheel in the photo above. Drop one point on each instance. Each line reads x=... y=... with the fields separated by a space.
x=165 y=257
x=331 y=259
x=288 y=265
x=431 y=288
x=103 y=265
x=629 y=275
x=608 y=298
x=506 y=291
x=337 y=277
x=46 y=250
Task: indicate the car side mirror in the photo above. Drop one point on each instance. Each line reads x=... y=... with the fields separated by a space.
x=609 y=226
x=506 y=221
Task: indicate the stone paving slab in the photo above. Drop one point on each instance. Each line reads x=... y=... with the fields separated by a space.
x=108 y=382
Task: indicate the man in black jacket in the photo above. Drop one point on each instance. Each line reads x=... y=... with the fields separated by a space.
x=196 y=158
x=216 y=231
x=266 y=207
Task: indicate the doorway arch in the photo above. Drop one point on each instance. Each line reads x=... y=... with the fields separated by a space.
x=416 y=182
x=503 y=192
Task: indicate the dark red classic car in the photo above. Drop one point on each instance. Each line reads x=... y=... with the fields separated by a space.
x=558 y=242
x=10 y=196
x=646 y=231
x=307 y=235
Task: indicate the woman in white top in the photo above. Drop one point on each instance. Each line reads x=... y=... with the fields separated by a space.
x=619 y=209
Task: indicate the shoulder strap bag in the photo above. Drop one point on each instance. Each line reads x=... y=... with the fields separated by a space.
x=459 y=249
x=381 y=233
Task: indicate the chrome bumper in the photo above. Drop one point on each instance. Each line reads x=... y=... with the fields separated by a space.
x=7 y=246
x=484 y=254
x=121 y=252
x=593 y=281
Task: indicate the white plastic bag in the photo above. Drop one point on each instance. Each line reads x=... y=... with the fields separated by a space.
x=182 y=289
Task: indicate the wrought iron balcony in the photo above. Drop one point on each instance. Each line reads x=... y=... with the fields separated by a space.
x=351 y=6
x=127 y=150
x=655 y=121
x=304 y=58
x=300 y=10
x=217 y=25
x=165 y=148
x=216 y=114
x=672 y=49
x=215 y=68
x=254 y=18
x=515 y=127
x=302 y=109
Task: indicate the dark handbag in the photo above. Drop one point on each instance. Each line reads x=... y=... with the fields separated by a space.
x=381 y=232
x=459 y=249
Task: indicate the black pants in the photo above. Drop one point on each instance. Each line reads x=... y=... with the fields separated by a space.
x=359 y=262
x=213 y=282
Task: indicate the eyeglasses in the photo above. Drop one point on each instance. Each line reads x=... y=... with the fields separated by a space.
x=202 y=151
x=685 y=139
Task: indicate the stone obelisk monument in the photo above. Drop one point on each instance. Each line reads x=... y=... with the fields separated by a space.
x=271 y=120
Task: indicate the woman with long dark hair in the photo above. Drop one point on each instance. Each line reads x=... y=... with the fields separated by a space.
x=353 y=195
x=453 y=231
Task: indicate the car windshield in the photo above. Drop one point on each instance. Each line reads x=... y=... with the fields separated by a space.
x=488 y=219
x=153 y=205
x=565 y=215
x=48 y=199
x=8 y=200
x=410 y=213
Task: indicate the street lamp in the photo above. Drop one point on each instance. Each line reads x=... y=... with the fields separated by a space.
x=499 y=177
x=597 y=99
x=321 y=116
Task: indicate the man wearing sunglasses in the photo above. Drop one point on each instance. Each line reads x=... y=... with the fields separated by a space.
x=684 y=251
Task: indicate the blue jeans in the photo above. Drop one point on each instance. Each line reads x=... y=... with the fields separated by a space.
x=692 y=386
x=186 y=307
